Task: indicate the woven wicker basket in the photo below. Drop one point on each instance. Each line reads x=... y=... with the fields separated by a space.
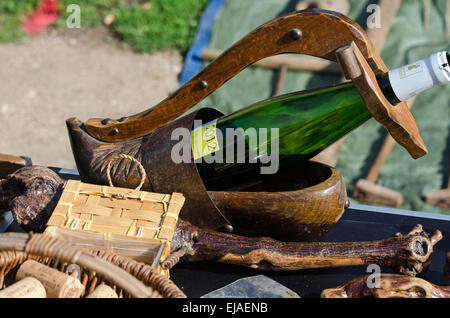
x=132 y=223
x=126 y=276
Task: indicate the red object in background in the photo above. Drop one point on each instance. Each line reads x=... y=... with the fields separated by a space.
x=45 y=14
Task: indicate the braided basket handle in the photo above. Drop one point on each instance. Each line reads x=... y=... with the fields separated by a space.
x=66 y=252
x=124 y=156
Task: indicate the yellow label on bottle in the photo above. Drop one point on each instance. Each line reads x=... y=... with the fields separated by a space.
x=204 y=140
x=411 y=70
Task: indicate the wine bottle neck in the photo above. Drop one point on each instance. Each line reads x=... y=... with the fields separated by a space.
x=408 y=81
x=387 y=89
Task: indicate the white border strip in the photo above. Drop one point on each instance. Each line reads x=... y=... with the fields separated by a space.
x=378 y=209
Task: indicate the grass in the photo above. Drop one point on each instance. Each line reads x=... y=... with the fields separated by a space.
x=17 y=6
x=93 y=12
x=165 y=24
x=11 y=13
x=168 y=24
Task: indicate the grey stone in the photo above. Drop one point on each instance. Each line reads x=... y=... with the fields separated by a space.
x=253 y=287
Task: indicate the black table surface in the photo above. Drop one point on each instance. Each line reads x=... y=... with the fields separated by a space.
x=359 y=223
x=197 y=279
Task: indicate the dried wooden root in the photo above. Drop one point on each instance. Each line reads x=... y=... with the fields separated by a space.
x=31 y=193
x=405 y=254
x=390 y=286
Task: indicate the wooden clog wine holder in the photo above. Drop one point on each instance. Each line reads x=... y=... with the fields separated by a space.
x=289 y=216
x=147 y=136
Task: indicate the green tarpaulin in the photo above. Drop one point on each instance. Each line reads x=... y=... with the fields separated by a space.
x=407 y=42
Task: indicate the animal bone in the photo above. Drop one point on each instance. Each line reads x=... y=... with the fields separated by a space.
x=391 y=286
x=37 y=189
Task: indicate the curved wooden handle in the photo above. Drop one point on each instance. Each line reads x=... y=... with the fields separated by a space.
x=312 y=32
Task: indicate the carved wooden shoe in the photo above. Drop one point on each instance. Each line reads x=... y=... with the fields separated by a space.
x=305 y=213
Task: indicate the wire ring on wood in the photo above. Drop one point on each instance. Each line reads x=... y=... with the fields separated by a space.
x=173 y=259
x=124 y=156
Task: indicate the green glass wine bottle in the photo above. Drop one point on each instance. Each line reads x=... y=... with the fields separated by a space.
x=297 y=126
